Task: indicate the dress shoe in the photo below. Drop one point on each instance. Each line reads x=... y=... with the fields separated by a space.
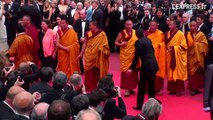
x=137 y=108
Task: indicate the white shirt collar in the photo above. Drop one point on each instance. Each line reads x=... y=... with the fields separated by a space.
x=20 y=33
x=23 y=115
x=9 y=106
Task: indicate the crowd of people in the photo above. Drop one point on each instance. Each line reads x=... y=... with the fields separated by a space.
x=52 y=43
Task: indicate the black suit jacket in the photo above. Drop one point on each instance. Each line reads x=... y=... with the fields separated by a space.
x=33 y=12
x=5 y=111
x=30 y=78
x=70 y=17
x=14 y=9
x=18 y=117
x=98 y=16
x=40 y=87
x=145 y=51
x=112 y=111
x=204 y=28
x=78 y=27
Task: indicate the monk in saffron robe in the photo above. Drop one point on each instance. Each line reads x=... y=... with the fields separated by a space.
x=126 y=41
x=68 y=49
x=176 y=59
x=158 y=41
x=197 y=51
x=21 y=48
x=96 y=55
x=32 y=31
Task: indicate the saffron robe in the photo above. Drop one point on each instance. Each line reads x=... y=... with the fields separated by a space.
x=21 y=49
x=127 y=53
x=96 y=58
x=197 y=51
x=67 y=60
x=177 y=58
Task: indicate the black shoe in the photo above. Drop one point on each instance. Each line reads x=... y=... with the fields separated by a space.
x=195 y=92
x=137 y=108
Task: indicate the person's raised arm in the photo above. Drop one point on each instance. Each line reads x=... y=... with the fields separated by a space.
x=118 y=41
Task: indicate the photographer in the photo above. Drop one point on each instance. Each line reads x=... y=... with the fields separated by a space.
x=29 y=72
x=108 y=109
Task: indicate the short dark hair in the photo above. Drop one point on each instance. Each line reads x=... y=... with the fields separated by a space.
x=60 y=79
x=106 y=83
x=79 y=102
x=139 y=33
x=96 y=97
x=201 y=16
x=20 y=28
x=46 y=74
x=159 y=9
x=64 y=17
x=59 y=110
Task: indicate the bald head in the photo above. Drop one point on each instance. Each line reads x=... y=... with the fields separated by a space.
x=88 y=115
x=40 y=111
x=83 y=14
x=193 y=26
x=26 y=20
x=23 y=103
x=13 y=91
x=128 y=25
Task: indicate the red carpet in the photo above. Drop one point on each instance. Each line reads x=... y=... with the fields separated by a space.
x=185 y=107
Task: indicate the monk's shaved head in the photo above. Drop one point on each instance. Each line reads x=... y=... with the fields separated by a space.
x=153 y=25
x=23 y=103
x=193 y=26
x=128 y=25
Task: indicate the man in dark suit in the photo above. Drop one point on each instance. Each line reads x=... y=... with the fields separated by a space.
x=70 y=12
x=42 y=87
x=6 y=107
x=11 y=22
x=31 y=10
x=23 y=109
x=202 y=26
x=81 y=27
x=59 y=81
x=145 y=51
x=98 y=14
x=29 y=72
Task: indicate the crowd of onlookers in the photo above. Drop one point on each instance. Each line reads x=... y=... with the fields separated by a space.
x=27 y=92
x=23 y=97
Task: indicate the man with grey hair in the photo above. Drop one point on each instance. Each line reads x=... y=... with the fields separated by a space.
x=88 y=114
x=152 y=109
x=76 y=83
x=185 y=23
x=40 y=111
x=59 y=81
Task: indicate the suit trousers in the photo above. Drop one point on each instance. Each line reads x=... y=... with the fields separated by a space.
x=11 y=32
x=208 y=85
x=146 y=76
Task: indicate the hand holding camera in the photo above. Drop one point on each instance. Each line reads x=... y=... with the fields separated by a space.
x=19 y=82
x=118 y=91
